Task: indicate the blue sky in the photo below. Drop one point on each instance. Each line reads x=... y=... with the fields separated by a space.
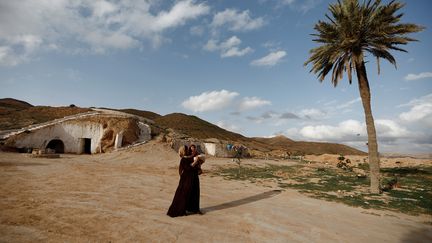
x=237 y=64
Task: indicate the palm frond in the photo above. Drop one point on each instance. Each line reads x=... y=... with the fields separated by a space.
x=351 y=29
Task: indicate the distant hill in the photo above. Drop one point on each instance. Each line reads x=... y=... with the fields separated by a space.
x=146 y=114
x=275 y=141
x=198 y=128
x=13 y=104
x=17 y=114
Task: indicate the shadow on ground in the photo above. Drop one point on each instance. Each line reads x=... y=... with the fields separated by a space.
x=242 y=201
x=418 y=236
x=20 y=164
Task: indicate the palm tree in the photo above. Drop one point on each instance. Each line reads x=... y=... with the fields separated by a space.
x=352 y=30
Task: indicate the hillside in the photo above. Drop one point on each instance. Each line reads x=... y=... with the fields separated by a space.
x=146 y=114
x=276 y=146
x=17 y=114
x=13 y=104
x=196 y=127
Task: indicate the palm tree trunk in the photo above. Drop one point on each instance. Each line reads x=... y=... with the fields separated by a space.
x=374 y=163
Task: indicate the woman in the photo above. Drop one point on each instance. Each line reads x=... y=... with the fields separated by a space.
x=186 y=198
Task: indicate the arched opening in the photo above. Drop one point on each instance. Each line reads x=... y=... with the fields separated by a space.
x=57 y=145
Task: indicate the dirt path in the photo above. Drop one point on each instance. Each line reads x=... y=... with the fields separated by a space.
x=124 y=196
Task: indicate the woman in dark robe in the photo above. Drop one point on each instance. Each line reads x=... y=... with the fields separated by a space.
x=187 y=195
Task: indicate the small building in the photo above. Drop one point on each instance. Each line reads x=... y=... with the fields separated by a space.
x=82 y=135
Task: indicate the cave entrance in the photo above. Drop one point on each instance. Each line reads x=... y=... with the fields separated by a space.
x=57 y=145
x=86 y=143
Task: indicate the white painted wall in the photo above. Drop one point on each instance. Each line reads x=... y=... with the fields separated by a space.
x=118 y=140
x=70 y=133
x=210 y=148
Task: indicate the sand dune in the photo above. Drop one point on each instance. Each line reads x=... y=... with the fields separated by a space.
x=124 y=196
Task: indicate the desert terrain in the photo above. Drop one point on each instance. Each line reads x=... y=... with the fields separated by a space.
x=123 y=196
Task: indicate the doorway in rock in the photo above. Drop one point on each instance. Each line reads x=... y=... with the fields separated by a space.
x=57 y=145
x=87 y=146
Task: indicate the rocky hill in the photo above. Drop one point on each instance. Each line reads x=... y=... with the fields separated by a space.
x=17 y=114
x=13 y=104
x=196 y=127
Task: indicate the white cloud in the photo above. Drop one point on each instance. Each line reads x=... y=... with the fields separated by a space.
x=181 y=12
x=237 y=21
x=197 y=30
x=391 y=135
x=18 y=49
x=412 y=76
x=417 y=113
x=314 y=114
x=102 y=8
x=236 y=52
x=308 y=5
x=301 y=6
x=390 y=130
x=270 y=60
x=228 y=48
x=409 y=132
x=345 y=130
x=27 y=26
x=249 y=103
x=352 y=131
x=229 y=127
x=208 y=101
x=271 y=45
x=420 y=111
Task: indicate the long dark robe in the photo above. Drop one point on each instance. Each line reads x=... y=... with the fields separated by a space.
x=187 y=195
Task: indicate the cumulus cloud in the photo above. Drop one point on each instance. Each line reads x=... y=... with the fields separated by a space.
x=391 y=130
x=410 y=131
x=209 y=101
x=18 y=49
x=420 y=110
x=392 y=136
x=270 y=60
x=346 y=130
x=236 y=20
x=97 y=26
x=352 y=130
x=252 y=102
x=412 y=76
x=227 y=48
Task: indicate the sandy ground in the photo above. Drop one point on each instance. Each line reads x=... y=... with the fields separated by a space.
x=123 y=197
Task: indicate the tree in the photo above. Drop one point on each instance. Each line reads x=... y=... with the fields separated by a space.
x=352 y=30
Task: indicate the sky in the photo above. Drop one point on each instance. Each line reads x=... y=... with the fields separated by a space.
x=237 y=64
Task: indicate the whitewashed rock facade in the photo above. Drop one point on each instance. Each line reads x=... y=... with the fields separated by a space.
x=72 y=134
